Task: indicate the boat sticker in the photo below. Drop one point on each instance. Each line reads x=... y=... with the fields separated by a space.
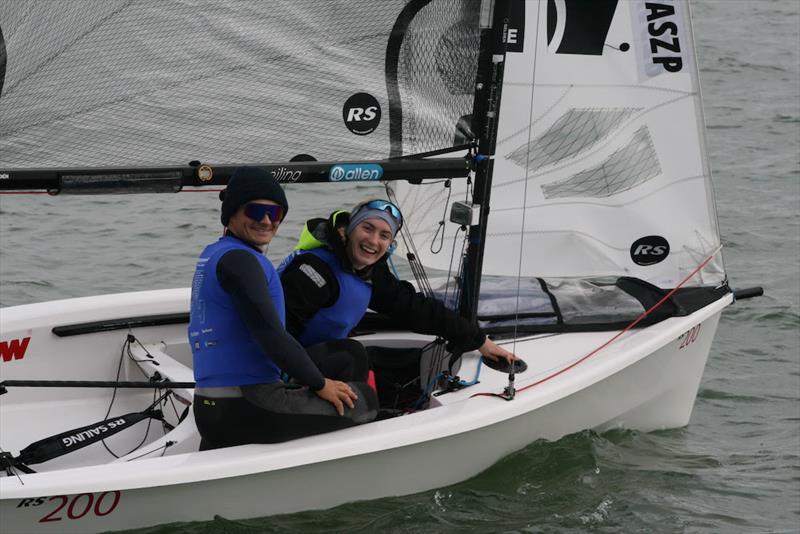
x=14 y=349
x=514 y=31
x=649 y=250
x=205 y=173
x=579 y=27
x=660 y=32
x=361 y=113
x=315 y=277
x=689 y=337
x=282 y=174
x=73 y=507
x=355 y=173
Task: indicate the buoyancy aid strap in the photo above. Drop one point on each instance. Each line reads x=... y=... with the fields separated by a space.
x=227 y=392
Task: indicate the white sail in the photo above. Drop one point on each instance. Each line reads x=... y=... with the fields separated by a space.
x=600 y=168
x=150 y=82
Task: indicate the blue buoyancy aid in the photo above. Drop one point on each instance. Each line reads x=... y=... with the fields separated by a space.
x=225 y=354
x=337 y=320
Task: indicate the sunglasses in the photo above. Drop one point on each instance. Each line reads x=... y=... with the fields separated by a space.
x=256 y=212
x=385 y=205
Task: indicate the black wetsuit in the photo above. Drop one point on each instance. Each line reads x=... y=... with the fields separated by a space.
x=275 y=412
x=305 y=295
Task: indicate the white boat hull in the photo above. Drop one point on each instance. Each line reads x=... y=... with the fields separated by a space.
x=646 y=380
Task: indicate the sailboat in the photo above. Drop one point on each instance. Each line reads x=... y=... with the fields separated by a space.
x=548 y=156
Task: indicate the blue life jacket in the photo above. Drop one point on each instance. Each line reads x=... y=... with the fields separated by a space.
x=225 y=354
x=337 y=320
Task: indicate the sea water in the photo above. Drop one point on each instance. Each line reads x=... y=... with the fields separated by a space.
x=735 y=468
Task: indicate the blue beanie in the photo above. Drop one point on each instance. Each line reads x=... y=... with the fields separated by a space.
x=250 y=183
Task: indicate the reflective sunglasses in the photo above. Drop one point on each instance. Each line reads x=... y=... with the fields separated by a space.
x=385 y=205
x=256 y=212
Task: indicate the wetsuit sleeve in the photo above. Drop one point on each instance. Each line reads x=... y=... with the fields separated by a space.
x=308 y=285
x=240 y=274
x=421 y=314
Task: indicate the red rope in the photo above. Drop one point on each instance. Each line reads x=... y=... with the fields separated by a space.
x=607 y=343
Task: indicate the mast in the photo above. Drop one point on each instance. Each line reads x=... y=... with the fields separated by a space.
x=488 y=88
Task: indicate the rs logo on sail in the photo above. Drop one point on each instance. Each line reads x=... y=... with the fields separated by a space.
x=649 y=250
x=14 y=349
x=361 y=113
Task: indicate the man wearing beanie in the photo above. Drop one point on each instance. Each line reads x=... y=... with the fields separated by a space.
x=239 y=344
x=339 y=269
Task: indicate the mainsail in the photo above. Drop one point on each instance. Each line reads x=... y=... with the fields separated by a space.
x=152 y=82
x=595 y=154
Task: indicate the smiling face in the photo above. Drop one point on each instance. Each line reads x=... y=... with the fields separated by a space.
x=257 y=233
x=368 y=242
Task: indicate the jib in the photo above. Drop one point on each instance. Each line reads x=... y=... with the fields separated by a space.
x=657 y=28
x=653 y=250
x=362 y=114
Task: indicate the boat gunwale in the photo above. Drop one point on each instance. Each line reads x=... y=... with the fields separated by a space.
x=448 y=420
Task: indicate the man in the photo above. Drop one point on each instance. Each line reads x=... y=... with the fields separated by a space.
x=340 y=270
x=238 y=340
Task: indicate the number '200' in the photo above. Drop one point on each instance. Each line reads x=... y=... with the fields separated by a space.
x=690 y=336
x=80 y=505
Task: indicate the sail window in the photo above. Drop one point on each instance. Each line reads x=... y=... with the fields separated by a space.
x=631 y=165
x=574 y=132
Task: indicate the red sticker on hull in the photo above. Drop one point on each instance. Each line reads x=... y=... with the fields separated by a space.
x=14 y=349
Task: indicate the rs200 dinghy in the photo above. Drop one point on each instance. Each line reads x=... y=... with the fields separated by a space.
x=549 y=161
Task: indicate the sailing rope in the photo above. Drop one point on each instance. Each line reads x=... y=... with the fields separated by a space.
x=440 y=229
x=614 y=338
x=411 y=251
x=510 y=391
x=438 y=347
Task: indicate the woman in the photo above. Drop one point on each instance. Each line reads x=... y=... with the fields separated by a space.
x=239 y=344
x=340 y=270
